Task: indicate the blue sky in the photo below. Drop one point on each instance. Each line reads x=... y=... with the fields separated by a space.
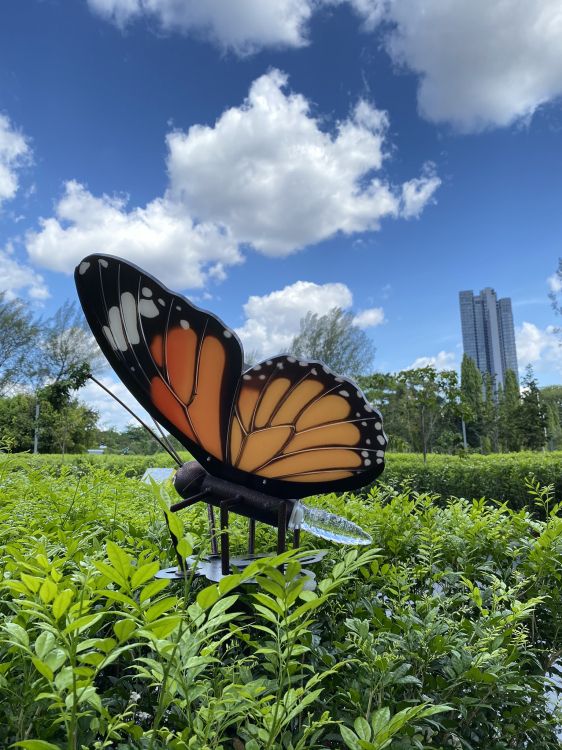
x=269 y=158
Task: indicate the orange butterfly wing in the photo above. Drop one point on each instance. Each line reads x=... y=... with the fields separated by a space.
x=298 y=424
x=181 y=363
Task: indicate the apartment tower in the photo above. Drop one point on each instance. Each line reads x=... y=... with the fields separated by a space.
x=488 y=335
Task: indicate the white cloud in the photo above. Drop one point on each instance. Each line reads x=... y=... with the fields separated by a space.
x=442 y=361
x=273 y=320
x=241 y=25
x=15 y=277
x=540 y=347
x=555 y=283
x=14 y=153
x=417 y=193
x=159 y=237
x=264 y=175
x=481 y=64
x=268 y=172
x=112 y=414
x=369 y=318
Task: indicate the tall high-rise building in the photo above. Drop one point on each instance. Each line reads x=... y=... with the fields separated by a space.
x=488 y=334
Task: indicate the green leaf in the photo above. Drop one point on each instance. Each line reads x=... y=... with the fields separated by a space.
x=380 y=720
x=350 y=738
x=164 y=626
x=55 y=659
x=18 y=634
x=43 y=668
x=81 y=623
x=48 y=590
x=123 y=629
x=152 y=589
x=362 y=727
x=208 y=597
x=184 y=548
x=62 y=603
x=32 y=582
x=144 y=573
x=153 y=612
x=36 y=745
x=119 y=559
x=44 y=644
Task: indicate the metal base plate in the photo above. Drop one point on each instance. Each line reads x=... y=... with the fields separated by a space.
x=210 y=567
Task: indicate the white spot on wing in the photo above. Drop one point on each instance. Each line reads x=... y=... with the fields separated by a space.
x=83 y=267
x=227 y=334
x=367 y=462
x=109 y=337
x=344 y=393
x=146 y=291
x=161 y=302
x=184 y=324
x=378 y=425
x=381 y=439
x=292 y=360
x=365 y=454
x=129 y=307
x=103 y=263
x=247 y=377
x=147 y=308
x=256 y=367
x=116 y=327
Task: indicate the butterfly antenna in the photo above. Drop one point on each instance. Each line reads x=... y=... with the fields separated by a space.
x=161 y=442
x=171 y=450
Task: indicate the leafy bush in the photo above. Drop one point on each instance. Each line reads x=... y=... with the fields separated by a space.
x=440 y=635
x=495 y=477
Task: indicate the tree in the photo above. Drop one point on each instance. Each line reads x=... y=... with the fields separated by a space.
x=490 y=416
x=551 y=399
x=387 y=392
x=533 y=418
x=18 y=342
x=336 y=341
x=472 y=402
x=69 y=353
x=431 y=397
x=67 y=344
x=509 y=409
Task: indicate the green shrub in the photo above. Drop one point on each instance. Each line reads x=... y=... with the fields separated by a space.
x=439 y=635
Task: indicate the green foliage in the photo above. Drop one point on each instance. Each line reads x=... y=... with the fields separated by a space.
x=472 y=401
x=64 y=426
x=336 y=341
x=18 y=337
x=533 y=417
x=440 y=635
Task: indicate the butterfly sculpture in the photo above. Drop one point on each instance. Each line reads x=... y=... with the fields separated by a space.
x=277 y=431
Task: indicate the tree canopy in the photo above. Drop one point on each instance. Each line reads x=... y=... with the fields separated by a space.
x=336 y=341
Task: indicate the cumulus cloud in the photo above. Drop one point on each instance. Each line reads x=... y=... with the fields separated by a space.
x=15 y=152
x=241 y=25
x=369 y=318
x=268 y=172
x=111 y=413
x=273 y=320
x=442 y=361
x=540 y=347
x=481 y=64
x=160 y=237
x=17 y=277
x=265 y=175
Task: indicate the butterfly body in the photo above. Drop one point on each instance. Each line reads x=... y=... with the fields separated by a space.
x=194 y=484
